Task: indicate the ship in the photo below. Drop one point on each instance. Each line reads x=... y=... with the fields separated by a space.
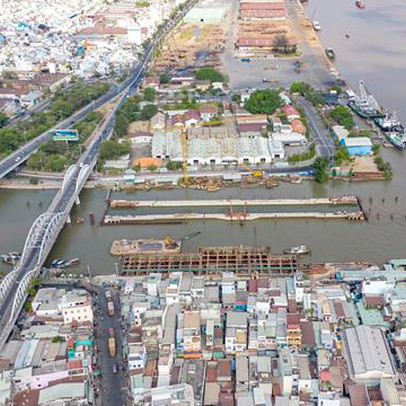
x=389 y=122
x=364 y=104
x=330 y=53
x=398 y=140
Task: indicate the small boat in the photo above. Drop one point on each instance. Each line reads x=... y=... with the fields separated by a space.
x=299 y=250
x=330 y=53
x=58 y=263
x=190 y=236
x=360 y=4
x=11 y=258
x=72 y=262
x=79 y=220
x=316 y=26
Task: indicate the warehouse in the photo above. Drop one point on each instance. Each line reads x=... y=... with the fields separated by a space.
x=358 y=145
x=212 y=151
x=367 y=354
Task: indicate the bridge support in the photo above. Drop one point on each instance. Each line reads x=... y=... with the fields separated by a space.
x=6 y=283
x=68 y=219
x=77 y=200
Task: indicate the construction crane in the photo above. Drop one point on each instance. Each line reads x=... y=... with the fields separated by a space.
x=185 y=155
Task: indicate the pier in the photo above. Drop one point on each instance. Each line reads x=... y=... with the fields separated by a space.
x=133 y=204
x=244 y=216
x=246 y=261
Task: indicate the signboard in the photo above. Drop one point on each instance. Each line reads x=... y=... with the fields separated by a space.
x=65 y=135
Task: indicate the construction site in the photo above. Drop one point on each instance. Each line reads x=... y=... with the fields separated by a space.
x=192 y=45
x=243 y=261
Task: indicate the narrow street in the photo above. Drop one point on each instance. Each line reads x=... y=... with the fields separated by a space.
x=324 y=142
x=113 y=386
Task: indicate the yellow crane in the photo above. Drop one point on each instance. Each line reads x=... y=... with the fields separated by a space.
x=185 y=155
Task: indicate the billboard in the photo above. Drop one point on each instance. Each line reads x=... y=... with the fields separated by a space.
x=65 y=135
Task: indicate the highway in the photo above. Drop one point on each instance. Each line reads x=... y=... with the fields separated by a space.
x=46 y=228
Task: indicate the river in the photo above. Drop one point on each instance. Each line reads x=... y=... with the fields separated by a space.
x=374 y=52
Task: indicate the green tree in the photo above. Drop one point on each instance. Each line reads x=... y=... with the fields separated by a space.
x=376 y=148
x=148 y=111
x=320 y=168
x=341 y=155
x=149 y=94
x=112 y=150
x=3 y=120
x=342 y=115
x=10 y=75
x=174 y=165
x=211 y=74
x=152 y=167
x=263 y=102
x=164 y=78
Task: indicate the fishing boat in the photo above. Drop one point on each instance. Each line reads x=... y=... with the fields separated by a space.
x=58 y=263
x=330 y=53
x=299 y=250
x=389 y=122
x=360 y=4
x=364 y=104
x=72 y=262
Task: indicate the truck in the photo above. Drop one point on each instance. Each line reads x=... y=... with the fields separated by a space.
x=110 y=307
x=112 y=343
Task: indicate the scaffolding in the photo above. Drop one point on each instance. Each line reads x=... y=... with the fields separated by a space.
x=213 y=260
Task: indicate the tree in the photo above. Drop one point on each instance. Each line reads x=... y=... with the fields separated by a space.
x=376 y=148
x=10 y=75
x=320 y=167
x=281 y=43
x=341 y=155
x=3 y=120
x=111 y=150
x=343 y=116
x=211 y=74
x=236 y=98
x=149 y=94
x=152 y=167
x=164 y=79
x=263 y=102
x=148 y=111
x=305 y=90
x=174 y=165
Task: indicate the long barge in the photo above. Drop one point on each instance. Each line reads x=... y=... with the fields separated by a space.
x=178 y=218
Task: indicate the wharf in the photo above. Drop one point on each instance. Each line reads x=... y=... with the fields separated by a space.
x=128 y=204
x=246 y=261
x=244 y=216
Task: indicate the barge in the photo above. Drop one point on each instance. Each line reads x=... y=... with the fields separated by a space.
x=145 y=246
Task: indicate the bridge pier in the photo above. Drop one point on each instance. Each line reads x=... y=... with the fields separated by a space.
x=68 y=220
x=77 y=200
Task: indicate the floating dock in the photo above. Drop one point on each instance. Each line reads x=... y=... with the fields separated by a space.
x=245 y=261
x=178 y=218
x=133 y=204
x=145 y=246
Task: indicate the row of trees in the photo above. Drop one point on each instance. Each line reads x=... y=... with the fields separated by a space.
x=64 y=103
x=307 y=91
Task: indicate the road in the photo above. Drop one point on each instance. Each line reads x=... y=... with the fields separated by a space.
x=22 y=154
x=113 y=387
x=324 y=142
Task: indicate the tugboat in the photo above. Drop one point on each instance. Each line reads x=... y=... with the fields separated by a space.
x=330 y=54
x=316 y=26
x=389 y=123
x=299 y=250
x=360 y=4
x=398 y=140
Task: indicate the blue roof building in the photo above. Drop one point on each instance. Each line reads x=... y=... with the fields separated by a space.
x=358 y=145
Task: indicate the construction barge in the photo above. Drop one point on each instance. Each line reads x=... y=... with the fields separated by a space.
x=145 y=246
x=134 y=204
x=243 y=261
x=179 y=218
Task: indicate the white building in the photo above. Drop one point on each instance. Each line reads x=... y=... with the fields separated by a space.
x=76 y=306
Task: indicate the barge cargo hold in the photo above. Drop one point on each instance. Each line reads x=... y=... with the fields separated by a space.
x=133 y=204
x=241 y=260
x=180 y=218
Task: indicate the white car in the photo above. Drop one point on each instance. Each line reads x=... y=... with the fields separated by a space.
x=17 y=159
